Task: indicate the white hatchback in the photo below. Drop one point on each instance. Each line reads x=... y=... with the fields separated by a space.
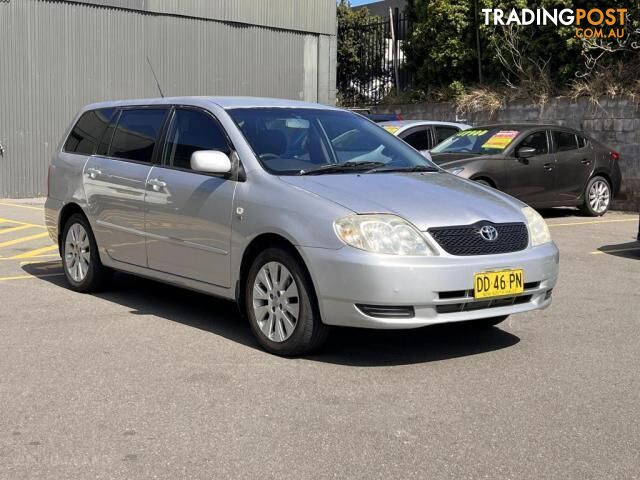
x=423 y=135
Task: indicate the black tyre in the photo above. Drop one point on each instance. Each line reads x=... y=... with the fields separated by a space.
x=487 y=322
x=281 y=306
x=597 y=197
x=80 y=259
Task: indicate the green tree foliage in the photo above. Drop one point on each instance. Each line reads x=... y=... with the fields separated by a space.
x=442 y=47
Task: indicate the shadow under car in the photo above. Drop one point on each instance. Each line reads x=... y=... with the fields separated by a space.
x=346 y=346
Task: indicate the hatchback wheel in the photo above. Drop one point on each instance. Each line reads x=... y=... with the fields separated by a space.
x=280 y=304
x=597 y=197
x=80 y=259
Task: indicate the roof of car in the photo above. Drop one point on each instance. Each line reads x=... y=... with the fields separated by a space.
x=411 y=123
x=224 y=102
x=520 y=126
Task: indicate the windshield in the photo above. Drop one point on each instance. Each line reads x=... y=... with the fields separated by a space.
x=291 y=141
x=479 y=141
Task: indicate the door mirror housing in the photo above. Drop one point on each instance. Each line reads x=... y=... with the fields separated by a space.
x=526 y=152
x=210 y=161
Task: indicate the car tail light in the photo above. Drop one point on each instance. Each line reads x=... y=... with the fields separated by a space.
x=614 y=156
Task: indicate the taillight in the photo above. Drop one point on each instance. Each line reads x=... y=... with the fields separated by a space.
x=614 y=156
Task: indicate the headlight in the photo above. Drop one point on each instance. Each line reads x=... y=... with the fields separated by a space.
x=538 y=230
x=381 y=233
x=456 y=170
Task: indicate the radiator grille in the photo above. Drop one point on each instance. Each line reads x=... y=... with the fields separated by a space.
x=467 y=240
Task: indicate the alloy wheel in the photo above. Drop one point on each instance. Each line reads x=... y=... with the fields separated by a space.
x=77 y=252
x=599 y=196
x=276 y=303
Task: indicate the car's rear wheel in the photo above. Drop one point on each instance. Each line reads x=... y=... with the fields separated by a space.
x=280 y=305
x=80 y=260
x=597 y=197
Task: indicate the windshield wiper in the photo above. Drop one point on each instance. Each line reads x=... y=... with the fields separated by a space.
x=416 y=168
x=343 y=167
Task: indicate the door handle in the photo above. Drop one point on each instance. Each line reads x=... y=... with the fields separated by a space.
x=585 y=161
x=156 y=184
x=93 y=172
x=548 y=167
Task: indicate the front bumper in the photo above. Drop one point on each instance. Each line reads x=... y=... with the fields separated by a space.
x=346 y=277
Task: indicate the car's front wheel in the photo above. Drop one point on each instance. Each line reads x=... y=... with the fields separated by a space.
x=80 y=260
x=597 y=197
x=280 y=304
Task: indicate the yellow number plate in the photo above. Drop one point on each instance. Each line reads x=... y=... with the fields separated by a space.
x=498 y=284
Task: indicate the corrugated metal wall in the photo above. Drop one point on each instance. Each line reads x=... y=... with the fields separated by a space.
x=56 y=57
x=301 y=15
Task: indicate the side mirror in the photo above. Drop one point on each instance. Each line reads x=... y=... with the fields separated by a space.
x=526 y=152
x=210 y=161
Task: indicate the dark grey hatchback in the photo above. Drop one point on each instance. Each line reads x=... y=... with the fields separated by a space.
x=542 y=165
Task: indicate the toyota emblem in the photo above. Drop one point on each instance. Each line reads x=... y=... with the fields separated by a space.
x=489 y=233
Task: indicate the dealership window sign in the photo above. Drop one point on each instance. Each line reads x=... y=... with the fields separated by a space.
x=589 y=23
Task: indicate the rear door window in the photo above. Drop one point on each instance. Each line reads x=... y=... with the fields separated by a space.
x=137 y=133
x=190 y=131
x=564 y=141
x=418 y=139
x=87 y=132
x=442 y=133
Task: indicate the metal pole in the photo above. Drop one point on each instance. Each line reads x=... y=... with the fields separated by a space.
x=394 y=45
x=478 y=50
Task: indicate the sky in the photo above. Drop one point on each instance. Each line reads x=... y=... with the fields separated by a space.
x=361 y=2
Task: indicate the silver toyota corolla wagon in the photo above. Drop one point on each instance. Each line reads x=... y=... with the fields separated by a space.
x=306 y=215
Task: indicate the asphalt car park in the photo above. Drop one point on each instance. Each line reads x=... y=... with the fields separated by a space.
x=147 y=380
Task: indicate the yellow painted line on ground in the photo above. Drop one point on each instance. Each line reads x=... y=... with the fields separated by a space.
x=14 y=229
x=35 y=256
x=8 y=220
x=16 y=222
x=594 y=222
x=35 y=253
x=17 y=205
x=25 y=277
x=16 y=241
x=600 y=252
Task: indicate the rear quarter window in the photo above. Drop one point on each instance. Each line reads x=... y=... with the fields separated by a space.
x=442 y=133
x=87 y=131
x=565 y=141
x=582 y=142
